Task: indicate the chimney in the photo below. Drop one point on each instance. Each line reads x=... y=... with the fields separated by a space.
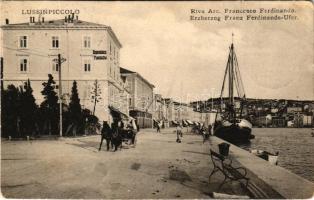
x=65 y=19
x=43 y=20
x=72 y=17
x=31 y=20
x=6 y=21
x=69 y=18
x=76 y=17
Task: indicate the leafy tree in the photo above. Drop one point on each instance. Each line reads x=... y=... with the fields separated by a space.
x=10 y=104
x=96 y=95
x=49 y=107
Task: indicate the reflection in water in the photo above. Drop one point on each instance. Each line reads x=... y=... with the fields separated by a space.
x=295 y=147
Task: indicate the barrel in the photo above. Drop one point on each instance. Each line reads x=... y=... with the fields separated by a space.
x=224 y=148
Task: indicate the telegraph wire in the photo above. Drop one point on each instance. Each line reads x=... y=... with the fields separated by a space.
x=14 y=47
x=24 y=51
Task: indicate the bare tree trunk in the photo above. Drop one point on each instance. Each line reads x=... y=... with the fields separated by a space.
x=94 y=105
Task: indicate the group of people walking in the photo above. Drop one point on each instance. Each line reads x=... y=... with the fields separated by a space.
x=200 y=129
x=115 y=134
x=118 y=132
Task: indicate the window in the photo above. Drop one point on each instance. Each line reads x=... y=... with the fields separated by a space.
x=87 y=66
x=23 y=65
x=87 y=42
x=55 y=42
x=23 y=41
x=55 y=67
x=110 y=47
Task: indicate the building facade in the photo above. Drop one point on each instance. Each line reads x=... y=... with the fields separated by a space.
x=141 y=99
x=90 y=52
x=159 y=108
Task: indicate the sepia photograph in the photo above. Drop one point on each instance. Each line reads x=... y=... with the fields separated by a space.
x=157 y=99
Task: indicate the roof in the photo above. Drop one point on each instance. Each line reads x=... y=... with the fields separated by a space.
x=124 y=71
x=61 y=24
x=55 y=24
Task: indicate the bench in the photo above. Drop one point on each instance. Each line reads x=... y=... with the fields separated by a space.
x=224 y=165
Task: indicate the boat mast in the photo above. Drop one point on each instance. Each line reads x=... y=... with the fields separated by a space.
x=231 y=77
x=230 y=72
x=222 y=88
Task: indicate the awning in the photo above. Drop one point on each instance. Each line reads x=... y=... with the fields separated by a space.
x=122 y=115
x=175 y=122
x=189 y=122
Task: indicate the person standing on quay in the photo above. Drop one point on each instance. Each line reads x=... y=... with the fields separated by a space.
x=179 y=133
x=158 y=127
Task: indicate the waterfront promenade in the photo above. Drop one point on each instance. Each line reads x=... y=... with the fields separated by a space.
x=157 y=167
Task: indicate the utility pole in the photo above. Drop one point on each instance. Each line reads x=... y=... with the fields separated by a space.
x=1 y=73
x=1 y=89
x=60 y=93
x=59 y=61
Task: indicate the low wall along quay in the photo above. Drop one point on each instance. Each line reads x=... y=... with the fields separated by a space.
x=274 y=181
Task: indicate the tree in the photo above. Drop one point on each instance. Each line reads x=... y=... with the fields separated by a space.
x=74 y=105
x=49 y=107
x=96 y=94
x=10 y=104
x=27 y=110
x=75 y=110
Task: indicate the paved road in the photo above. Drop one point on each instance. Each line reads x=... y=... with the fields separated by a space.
x=157 y=167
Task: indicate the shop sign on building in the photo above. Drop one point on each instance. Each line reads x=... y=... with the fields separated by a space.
x=99 y=55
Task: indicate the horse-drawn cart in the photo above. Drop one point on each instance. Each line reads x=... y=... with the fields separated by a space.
x=128 y=135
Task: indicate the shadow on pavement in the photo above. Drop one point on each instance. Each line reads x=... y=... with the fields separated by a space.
x=197 y=152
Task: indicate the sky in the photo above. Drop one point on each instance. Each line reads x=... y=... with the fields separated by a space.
x=186 y=59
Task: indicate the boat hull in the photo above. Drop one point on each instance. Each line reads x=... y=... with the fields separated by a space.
x=233 y=133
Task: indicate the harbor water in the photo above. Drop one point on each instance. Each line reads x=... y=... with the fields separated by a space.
x=295 y=147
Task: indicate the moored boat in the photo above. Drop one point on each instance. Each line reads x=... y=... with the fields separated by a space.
x=270 y=157
x=233 y=133
x=233 y=127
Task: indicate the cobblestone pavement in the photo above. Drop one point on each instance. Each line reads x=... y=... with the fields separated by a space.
x=157 y=167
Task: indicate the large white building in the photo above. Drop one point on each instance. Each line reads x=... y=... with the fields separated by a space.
x=92 y=52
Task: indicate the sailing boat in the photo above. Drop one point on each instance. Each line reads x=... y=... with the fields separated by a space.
x=232 y=127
